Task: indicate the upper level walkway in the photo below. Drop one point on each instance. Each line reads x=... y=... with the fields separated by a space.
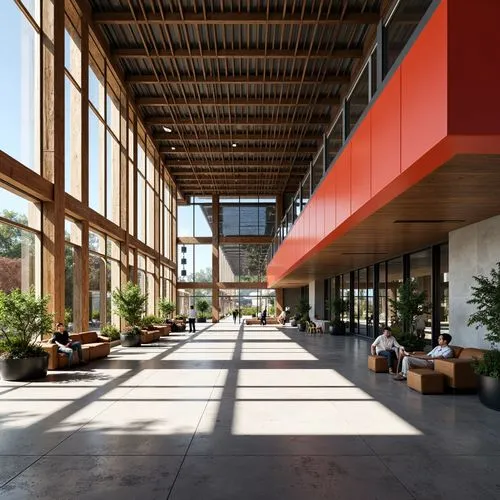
x=242 y=412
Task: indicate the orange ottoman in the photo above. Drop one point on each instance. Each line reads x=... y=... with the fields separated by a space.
x=377 y=364
x=425 y=381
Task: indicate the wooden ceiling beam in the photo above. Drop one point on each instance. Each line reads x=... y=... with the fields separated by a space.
x=239 y=121
x=164 y=136
x=188 y=176
x=221 y=53
x=237 y=79
x=231 y=102
x=232 y=18
x=237 y=151
x=238 y=164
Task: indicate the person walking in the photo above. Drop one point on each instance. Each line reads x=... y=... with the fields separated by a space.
x=263 y=317
x=235 y=314
x=192 y=320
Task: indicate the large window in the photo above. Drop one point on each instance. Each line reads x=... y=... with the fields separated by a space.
x=19 y=242
x=73 y=275
x=97 y=280
x=421 y=274
x=20 y=83
x=244 y=263
x=247 y=216
x=195 y=263
x=72 y=112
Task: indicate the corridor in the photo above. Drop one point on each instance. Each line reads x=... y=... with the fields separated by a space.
x=242 y=412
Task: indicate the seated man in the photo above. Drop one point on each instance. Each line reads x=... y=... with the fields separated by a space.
x=282 y=317
x=385 y=345
x=426 y=361
x=66 y=345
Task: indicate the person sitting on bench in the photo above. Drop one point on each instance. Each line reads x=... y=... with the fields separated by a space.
x=426 y=360
x=385 y=345
x=66 y=345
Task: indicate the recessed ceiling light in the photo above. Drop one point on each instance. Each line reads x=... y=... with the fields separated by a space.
x=167 y=129
x=173 y=148
x=234 y=144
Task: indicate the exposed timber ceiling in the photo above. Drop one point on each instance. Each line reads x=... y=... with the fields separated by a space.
x=242 y=89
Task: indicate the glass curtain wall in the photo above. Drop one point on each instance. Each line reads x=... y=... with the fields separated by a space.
x=357 y=291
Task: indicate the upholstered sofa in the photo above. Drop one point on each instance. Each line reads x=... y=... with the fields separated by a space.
x=458 y=371
x=93 y=347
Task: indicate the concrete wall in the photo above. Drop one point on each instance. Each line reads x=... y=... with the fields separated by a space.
x=473 y=250
x=291 y=298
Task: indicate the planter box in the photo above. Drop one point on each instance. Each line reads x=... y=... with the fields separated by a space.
x=24 y=369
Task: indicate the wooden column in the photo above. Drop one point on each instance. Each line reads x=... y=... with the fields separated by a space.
x=83 y=282
x=85 y=276
x=215 y=259
x=53 y=258
x=279 y=301
x=124 y=191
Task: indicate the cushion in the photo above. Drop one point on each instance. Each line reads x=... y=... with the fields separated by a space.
x=471 y=352
x=89 y=337
x=76 y=337
x=98 y=350
x=377 y=364
x=456 y=350
x=425 y=381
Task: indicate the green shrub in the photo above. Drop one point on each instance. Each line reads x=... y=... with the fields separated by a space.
x=130 y=303
x=110 y=331
x=24 y=320
x=489 y=365
x=166 y=308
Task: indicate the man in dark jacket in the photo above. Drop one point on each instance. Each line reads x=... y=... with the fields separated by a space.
x=66 y=345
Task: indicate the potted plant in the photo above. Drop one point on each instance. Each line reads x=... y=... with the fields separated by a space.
x=166 y=308
x=339 y=306
x=202 y=305
x=24 y=321
x=409 y=304
x=130 y=304
x=486 y=298
x=303 y=311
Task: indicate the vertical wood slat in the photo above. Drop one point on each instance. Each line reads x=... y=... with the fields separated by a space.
x=53 y=258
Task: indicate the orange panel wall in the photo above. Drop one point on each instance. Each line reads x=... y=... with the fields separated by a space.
x=386 y=135
x=474 y=67
x=439 y=87
x=424 y=94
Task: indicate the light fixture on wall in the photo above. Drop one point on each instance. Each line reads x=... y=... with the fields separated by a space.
x=167 y=129
x=183 y=260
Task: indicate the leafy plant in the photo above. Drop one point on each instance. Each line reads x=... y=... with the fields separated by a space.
x=486 y=298
x=96 y=315
x=166 y=308
x=130 y=304
x=110 y=331
x=68 y=316
x=303 y=309
x=410 y=302
x=24 y=320
x=202 y=305
x=148 y=322
x=489 y=365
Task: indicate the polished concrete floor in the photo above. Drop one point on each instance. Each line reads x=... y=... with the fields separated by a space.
x=242 y=412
